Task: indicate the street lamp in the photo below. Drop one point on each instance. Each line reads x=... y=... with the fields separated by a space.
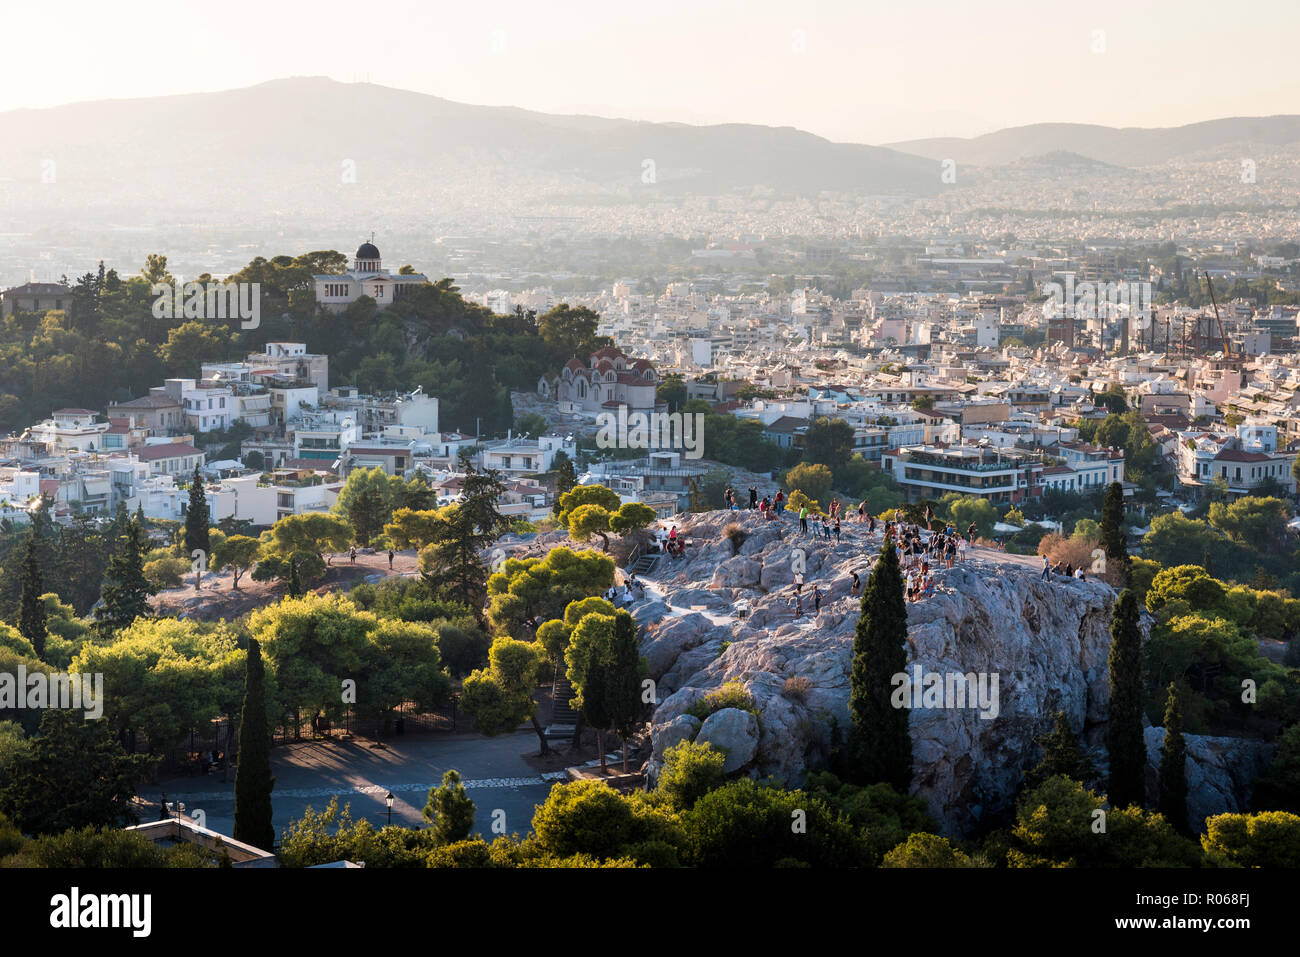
x=389 y=799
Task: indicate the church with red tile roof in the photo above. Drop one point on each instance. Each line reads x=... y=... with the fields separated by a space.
x=609 y=380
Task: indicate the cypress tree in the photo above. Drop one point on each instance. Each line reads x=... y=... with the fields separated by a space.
x=1124 y=730
x=253 y=779
x=1173 y=763
x=880 y=744
x=295 y=584
x=118 y=527
x=623 y=689
x=196 y=517
x=125 y=591
x=566 y=476
x=1112 y=530
x=31 y=610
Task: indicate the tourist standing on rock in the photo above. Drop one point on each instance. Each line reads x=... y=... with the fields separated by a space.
x=390 y=559
x=780 y=501
x=856 y=585
x=753 y=497
x=836 y=529
x=352 y=554
x=803 y=519
x=798 y=582
x=871 y=522
x=817 y=600
x=1047 y=570
x=970 y=533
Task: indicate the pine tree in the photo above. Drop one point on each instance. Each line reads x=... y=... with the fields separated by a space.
x=1173 y=763
x=31 y=610
x=880 y=747
x=1061 y=755
x=452 y=561
x=450 y=810
x=125 y=591
x=1124 y=730
x=253 y=779
x=1112 y=530
x=196 y=517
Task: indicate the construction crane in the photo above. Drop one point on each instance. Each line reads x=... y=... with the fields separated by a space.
x=1223 y=336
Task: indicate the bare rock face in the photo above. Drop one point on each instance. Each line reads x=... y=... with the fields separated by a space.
x=1221 y=772
x=684 y=727
x=1045 y=645
x=733 y=732
x=737 y=572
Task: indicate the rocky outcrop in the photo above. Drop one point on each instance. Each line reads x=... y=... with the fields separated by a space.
x=684 y=727
x=1045 y=645
x=733 y=732
x=1221 y=772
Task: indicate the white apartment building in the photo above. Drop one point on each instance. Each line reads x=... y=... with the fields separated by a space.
x=207 y=407
x=929 y=472
x=520 y=456
x=69 y=430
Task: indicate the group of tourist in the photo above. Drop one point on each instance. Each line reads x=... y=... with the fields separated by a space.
x=631 y=592
x=921 y=546
x=1064 y=569
x=669 y=542
x=944 y=546
x=796 y=599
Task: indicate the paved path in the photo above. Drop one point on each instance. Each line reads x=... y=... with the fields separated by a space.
x=310 y=773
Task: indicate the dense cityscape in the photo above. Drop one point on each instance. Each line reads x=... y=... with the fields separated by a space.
x=516 y=488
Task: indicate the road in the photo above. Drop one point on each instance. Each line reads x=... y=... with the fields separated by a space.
x=309 y=773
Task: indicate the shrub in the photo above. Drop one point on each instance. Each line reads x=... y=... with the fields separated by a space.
x=690 y=771
x=926 y=850
x=166 y=572
x=796 y=687
x=1068 y=551
x=730 y=695
x=736 y=535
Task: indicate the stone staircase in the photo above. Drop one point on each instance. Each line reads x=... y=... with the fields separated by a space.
x=644 y=564
x=564 y=720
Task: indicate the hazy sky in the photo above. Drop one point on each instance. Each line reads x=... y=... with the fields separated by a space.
x=864 y=71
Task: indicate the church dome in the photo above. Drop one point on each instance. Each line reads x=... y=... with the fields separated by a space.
x=367 y=251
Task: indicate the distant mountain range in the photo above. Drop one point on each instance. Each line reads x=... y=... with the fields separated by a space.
x=1128 y=146
x=280 y=134
x=338 y=153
